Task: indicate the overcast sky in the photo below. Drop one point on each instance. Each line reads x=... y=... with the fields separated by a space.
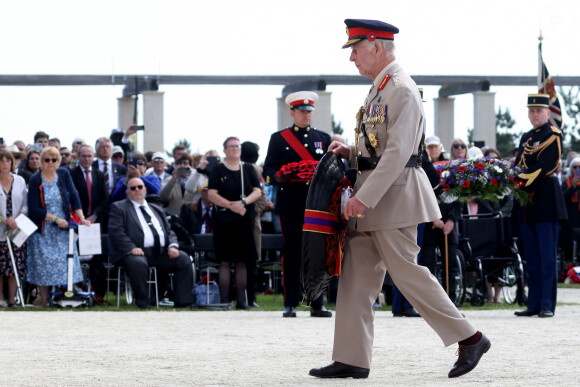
x=231 y=37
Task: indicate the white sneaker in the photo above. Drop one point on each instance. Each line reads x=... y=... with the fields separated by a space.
x=3 y=304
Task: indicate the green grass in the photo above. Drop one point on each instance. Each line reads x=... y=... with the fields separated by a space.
x=270 y=303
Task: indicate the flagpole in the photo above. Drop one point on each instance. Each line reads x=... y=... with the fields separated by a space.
x=540 y=62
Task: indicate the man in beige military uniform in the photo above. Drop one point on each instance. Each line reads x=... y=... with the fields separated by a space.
x=392 y=195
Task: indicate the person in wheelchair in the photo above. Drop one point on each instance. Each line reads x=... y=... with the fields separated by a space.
x=539 y=155
x=504 y=206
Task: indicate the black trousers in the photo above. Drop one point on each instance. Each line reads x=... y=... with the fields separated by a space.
x=292 y=260
x=137 y=268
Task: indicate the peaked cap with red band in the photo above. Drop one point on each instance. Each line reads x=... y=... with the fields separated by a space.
x=302 y=100
x=361 y=29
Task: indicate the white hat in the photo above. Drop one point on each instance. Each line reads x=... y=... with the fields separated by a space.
x=117 y=149
x=433 y=140
x=159 y=155
x=302 y=100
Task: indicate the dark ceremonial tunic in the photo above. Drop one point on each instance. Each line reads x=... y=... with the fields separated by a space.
x=291 y=200
x=539 y=155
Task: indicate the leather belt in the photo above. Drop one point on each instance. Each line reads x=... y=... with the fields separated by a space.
x=369 y=163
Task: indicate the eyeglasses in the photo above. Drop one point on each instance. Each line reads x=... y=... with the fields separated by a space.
x=459 y=146
x=234 y=146
x=575 y=166
x=54 y=160
x=64 y=154
x=158 y=160
x=17 y=157
x=135 y=187
x=140 y=162
x=118 y=155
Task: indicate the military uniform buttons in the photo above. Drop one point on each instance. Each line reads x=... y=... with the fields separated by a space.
x=306 y=145
x=359 y=172
x=287 y=148
x=360 y=153
x=305 y=134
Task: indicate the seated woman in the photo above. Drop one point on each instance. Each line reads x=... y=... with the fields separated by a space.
x=52 y=203
x=137 y=168
x=504 y=206
x=13 y=202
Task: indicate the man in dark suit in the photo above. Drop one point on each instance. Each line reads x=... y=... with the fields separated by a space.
x=139 y=237
x=294 y=144
x=112 y=170
x=90 y=184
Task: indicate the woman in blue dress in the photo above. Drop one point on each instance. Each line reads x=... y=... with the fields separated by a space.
x=52 y=202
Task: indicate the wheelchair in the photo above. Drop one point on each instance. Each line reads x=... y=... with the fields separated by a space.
x=490 y=250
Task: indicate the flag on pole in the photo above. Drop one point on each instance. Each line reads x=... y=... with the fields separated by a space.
x=546 y=86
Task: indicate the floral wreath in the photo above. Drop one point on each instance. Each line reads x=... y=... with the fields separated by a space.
x=484 y=178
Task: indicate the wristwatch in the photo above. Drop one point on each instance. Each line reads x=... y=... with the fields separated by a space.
x=244 y=201
x=174 y=245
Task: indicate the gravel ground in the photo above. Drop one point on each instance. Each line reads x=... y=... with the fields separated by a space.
x=239 y=348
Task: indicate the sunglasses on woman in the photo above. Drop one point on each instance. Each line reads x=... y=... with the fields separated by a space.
x=459 y=146
x=136 y=187
x=54 y=160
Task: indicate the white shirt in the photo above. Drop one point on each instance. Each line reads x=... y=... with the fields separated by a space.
x=149 y=241
x=85 y=172
x=109 y=171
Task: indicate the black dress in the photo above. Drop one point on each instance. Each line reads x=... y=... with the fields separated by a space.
x=234 y=241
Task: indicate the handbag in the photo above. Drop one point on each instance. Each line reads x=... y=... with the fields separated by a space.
x=200 y=293
x=227 y=216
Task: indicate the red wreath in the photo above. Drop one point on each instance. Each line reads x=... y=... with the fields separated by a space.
x=335 y=242
x=300 y=171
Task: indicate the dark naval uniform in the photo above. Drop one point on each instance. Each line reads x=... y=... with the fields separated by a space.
x=539 y=155
x=291 y=202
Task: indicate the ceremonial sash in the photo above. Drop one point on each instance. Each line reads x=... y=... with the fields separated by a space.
x=320 y=221
x=296 y=145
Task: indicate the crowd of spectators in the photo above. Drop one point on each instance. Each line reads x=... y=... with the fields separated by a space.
x=54 y=183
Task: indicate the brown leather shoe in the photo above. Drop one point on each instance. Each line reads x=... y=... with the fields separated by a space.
x=469 y=356
x=340 y=370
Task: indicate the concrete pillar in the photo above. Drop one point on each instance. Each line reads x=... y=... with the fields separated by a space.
x=321 y=117
x=153 y=121
x=125 y=109
x=445 y=120
x=484 y=117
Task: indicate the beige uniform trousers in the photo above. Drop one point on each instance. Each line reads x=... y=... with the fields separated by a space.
x=367 y=257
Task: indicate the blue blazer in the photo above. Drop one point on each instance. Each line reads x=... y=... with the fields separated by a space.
x=68 y=194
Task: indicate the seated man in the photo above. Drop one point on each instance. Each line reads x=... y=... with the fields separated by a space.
x=140 y=237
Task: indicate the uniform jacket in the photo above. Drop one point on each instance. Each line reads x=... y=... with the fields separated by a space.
x=100 y=195
x=291 y=197
x=68 y=193
x=396 y=196
x=125 y=231
x=539 y=154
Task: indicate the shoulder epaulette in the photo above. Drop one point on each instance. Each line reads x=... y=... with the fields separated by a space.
x=556 y=130
x=396 y=80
